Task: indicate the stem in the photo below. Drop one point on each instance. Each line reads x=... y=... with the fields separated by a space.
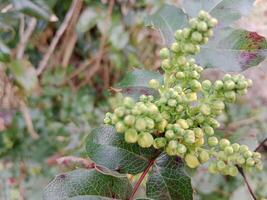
x=141 y=178
x=247 y=183
x=260 y=145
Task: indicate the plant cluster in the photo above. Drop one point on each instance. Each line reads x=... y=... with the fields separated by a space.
x=182 y=118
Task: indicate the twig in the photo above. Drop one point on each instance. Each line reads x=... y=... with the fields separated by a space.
x=141 y=178
x=260 y=145
x=25 y=36
x=43 y=63
x=28 y=121
x=247 y=183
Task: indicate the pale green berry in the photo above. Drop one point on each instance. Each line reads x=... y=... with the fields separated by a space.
x=172 y=102
x=166 y=64
x=228 y=150
x=181 y=60
x=206 y=85
x=221 y=165
x=250 y=162
x=191 y=161
x=235 y=147
x=241 y=85
x=173 y=144
x=240 y=160
x=195 y=85
x=181 y=149
x=227 y=77
x=203 y=14
x=202 y=26
x=162 y=125
x=247 y=154
x=159 y=142
x=259 y=166
x=189 y=48
x=242 y=92
x=208 y=130
x=213 y=141
x=140 y=124
x=120 y=127
x=128 y=102
x=164 y=53
x=120 y=111
x=186 y=33
x=243 y=148
x=178 y=35
x=224 y=143
x=205 y=109
x=169 y=134
x=176 y=47
x=131 y=136
x=233 y=171
x=193 y=23
x=196 y=37
x=183 y=123
x=145 y=140
x=189 y=137
x=205 y=40
x=218 y=105
x=180 y=75
x=218 y=85
x=208 y=33
x=107 y=120
x=129 y=120
x=204 y=156
x=221 y=155
x=249 y=82
x=229 y=85
x=114 y=119
x=230 y=96
x=212 y=168
x=212 y=22
x=256 y=155
x=198 y=132
x=150 y=124
x=153 y=83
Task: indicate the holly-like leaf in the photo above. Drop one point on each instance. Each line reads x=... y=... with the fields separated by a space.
x=167 y=20
x=135 y=83
x=25 y=74
x=226 y=11
x=168 y=180
x=108 y=148
x=37 y=9
x=233 y=50
x=87 y=184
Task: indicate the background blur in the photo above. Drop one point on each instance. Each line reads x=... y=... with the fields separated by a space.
x=80 y=50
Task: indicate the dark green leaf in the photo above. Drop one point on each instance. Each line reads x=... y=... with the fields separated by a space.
x=34 y=8
x=168 y=181
x=87 y=184
x=226 y=11
x=233 y=50
x=167 y=20
x=108 y=148
x=25 y=74
x=135 y=83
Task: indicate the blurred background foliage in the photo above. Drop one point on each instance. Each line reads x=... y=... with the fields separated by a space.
x=58 y=63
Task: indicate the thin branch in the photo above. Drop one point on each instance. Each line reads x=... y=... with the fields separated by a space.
x=43 y=63
x=260 y=145
x=247 y=183
x=25 y=36
x=141 y=178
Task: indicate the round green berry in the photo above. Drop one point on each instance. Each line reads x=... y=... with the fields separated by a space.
x=240 y=160
x=131 y=136
x=212 y=168
x=140 y=124
x=233 y=171
x=181 y=149
x=176 y=47
x=235 y=147
x=213 y=141
x=120 y=111
x=128 y=102
x=120 y=127
x=153 y=83
x=173 y=144
x=166 y=64
x=224 y=143
x=204 y=156
x=193 y=23
x=129 y=120
x=178 y=35
x=164 y=53
x=180 y=75
x=221 y=165
x=243 y=148
x=198 y=132
x=218 y=85
x=145 y=140
x=159 y=142
x=229 y=85
x=172 y=102
x=205 y=109
x=250 y=162
x=212 y=22
x=150 y=124
x=186 y=33
x=196 y=37
x=229 y=150
x=202 y=26
x=181 y=60
x=206 y=85
x=183 y=123
x=169 y=134
x=189 y=137
x=208 y=130
x=191 y=161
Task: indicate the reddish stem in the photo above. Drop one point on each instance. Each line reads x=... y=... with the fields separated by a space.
x=141 y=178
x=260 y=145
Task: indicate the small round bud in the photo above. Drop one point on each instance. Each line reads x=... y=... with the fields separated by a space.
x=150 y=124
x=233 y=171
x=240 y=160
x=120 y=111
x=181 y=149
x=164 y=53
x=208 y=130
x=221 y=165
x=185 y=33
x=229 y=85
x=176 y=47
x=153 y=83
x=206 y=85
x=218 y=85
x=189 y=137
x=131 y=136
x=198 y=132
x=162 y=125
x=196 y=37
x=172 y=102
x=227 y=77
x=193 y=23
x=230 y=96
x=228 y=150
x=212 y=168
x=145 y=140
x=173 y=144
x=250 y=162
x=202 y=26
x=204 y=156
x=181 y=60
x=205 y=109
x=169 y=134
x=256 y=155
x=235 y=147
x=247 y=154
x=196 y=85
x=212 y=22
x=259 y=166
x=165 y=64
x=213 y=141
x=224 y=143
x=203 y=14
x=243 y=148
x=159 y=142
x=140 y=124
x=180 y=75
x=129 y=120
x=191 y=161
x=120 y=127
x=128 y=102
x=178 y=35
x=183 y=123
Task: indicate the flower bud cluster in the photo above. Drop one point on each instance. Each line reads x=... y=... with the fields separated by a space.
x=182 y=119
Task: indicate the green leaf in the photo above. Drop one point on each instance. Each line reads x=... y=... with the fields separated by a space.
x=167 y=20
x=168 y=180
x=118 y=37
x=34 y=8
x=108 y=148
x=135 y=83
x=87 y=184
x=233 y=50
x=87 y=20
x=25 y=74
x=226 y=11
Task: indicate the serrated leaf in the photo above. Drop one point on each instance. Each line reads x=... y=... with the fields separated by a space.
x=25 y=74
x=87 y=184
x=233 y=50
x=34 y=8
x=226 y=11
x=168 y=181
x=108 y=148
x=135 y=83
x=167 y=20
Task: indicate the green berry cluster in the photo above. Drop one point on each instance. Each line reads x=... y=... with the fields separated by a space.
x=181 y=121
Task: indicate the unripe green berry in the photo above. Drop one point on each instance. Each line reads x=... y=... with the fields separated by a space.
x=220 y=165
x=120 y=127
x=208 y=33
x=247 y=154
x=228 y=150
x=191 y=161
x=145 y=140
x=120 y=111
x=172 y=102
x=259 y=166
x=206 y=85
x=230 y=96
x=256 y=155
x=180 y=75
x=203 y=15
x=164 y=53
x=250 y=162
x=213 y=141
x=196 y=85
x=189 y=137
x=150 y=124
x=224 y=143
x=129 y=120
x=202 y=26
x=181 y=149
x=235 y=147
x=196 y=37
x=242 y=92
x=243 y=148
x=227 y=77
x=193 y=23
x=198 y=132
x=240 y=160
x=183 y=123
x=205 y=109
x=159 y=142
x=212 y=168
x=173 y=144
x=140 y=124
x=162 y=125
x=249 y=82
x=241 y=85
x=128 y=102
x=153 y=83
x=218 y=105
x=218 y=85
x=169 y=134
x=204 y=156
x=229 y=85
x=131 y=136
x=181 y=60
x=178 y=35
x=212 y=22
x=114 y=119
x=208 y=130
x=233 y=171
x=176 y=47
x=185 y=33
